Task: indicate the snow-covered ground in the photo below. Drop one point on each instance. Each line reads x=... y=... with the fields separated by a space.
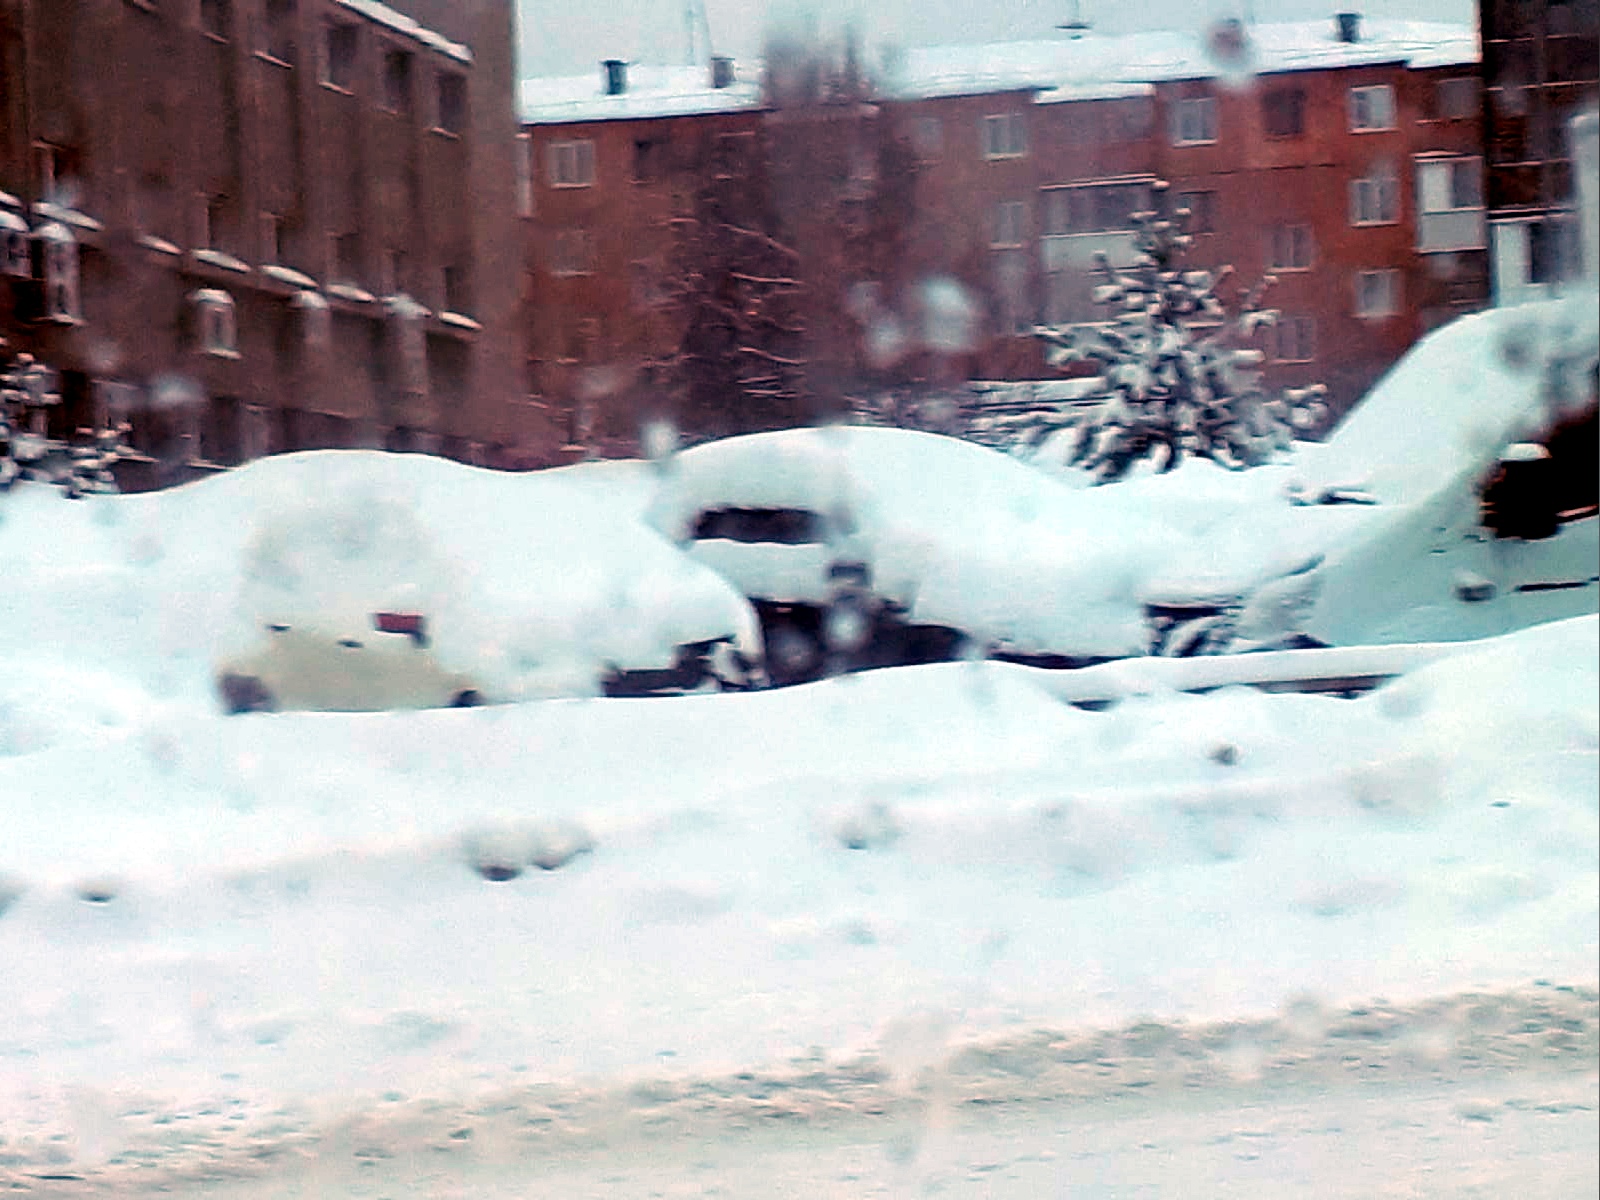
x=575 y=931
x=225 y=937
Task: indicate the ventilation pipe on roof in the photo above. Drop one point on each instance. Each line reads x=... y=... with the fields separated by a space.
x=1349 y=26
x=721 y=71
x=616 y=76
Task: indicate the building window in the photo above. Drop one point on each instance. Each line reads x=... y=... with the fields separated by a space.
x=346 y=266
x=59 y=250
x=1283 y=112
x=1005 y=135
x=278 y=20
x=1290 y=248
x=1377 y=293
x=1194 y=121
x=572 y=253
x=452 y=102
x=570 y=164
x=1010 y=225
x=1371 y=108
x=1457 y=99
x=927 y=138
x=649 y=159
x=1294 y=338
x=340 y=43
x=216 y=18
x=219 y=226
x=397 y=80
x=457 y=293
x=1202 y=208
x=58 y=174
x=216 y=330
x=1094 y=208
x=524 y=168
x=1449 y=185
x=1375 y=199
x=16 y=257
x=273 y=241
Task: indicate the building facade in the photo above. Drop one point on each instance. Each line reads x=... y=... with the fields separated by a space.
x=1541 y=66
x=263 y=225
x=1345 y=160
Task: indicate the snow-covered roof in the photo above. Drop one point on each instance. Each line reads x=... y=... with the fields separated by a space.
x=400 y=23
x=651 y=91
x=1095 y=67
x=1057 y=70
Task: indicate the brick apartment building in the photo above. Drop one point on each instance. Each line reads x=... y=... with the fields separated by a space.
x=1344 y=158
x=1541 y=64
x=256 y=225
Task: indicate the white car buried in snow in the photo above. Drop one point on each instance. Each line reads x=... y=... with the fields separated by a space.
x=871 y=547
x=1458 y=501
x=408 y=582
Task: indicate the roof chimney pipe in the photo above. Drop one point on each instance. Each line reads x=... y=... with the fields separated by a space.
x=616 y=76
x=721 y=71
x=1349 y=24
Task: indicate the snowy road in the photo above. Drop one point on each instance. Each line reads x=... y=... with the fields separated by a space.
x=1473 y=1095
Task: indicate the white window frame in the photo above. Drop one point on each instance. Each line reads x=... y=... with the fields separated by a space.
x=1005 y=135
x=1202 y=130
x=1369 y=113
x=1010 y=231
x=1291 y=247
x=571 y=253
x=1471 y=163
x=1387 y=304
x=1305 y=338
x=1375 y=198
x=570 y=163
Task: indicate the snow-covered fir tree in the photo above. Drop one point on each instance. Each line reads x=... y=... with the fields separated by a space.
x=1180 y=382
x=28 y=391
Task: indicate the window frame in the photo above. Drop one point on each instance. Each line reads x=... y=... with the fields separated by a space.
x=348 y=68
x=1297 y=109
x=450 y=116
x=1392 y=276
x=279 y=24
x=1305 y=327
x=1191 y=104
x=581 y=152
x=1355 y=102
x=1055 y=197
x=1443 y=112
x=1293 y=236
x=1384 y=185
x=572 y=253
x=1202 y=219
x=401 y=102
x=1009 y=227
x=1474 y=164
x=1012 y=140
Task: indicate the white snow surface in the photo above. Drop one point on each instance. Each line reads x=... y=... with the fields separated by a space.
x=201 y=913
x=532 y=583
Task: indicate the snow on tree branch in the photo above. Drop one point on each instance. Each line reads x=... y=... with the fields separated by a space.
x=1179 y=383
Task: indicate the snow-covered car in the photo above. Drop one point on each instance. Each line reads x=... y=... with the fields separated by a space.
x=408 y=582
x=866 y=546
x=1458 y=500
